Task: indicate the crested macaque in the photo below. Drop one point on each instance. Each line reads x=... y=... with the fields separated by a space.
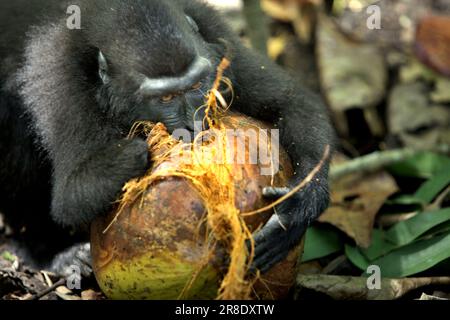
x=68 y=98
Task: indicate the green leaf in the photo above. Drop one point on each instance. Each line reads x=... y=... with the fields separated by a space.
x=8 y=256
x=416 y=257
x=405 y=232
x=379 y=247
x=321 y=242
x=438 y=230
x=430 y=189
x=356 y=257
x=423 y=165
x=427 y=191
x=405 y=200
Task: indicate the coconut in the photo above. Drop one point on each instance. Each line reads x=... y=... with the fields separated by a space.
x=182 y=231
x=159 y=245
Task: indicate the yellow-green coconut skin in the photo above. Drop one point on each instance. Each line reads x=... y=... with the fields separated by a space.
x=157 y=247
x=157 y=278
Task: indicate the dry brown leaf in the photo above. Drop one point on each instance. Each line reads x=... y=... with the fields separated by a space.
x=425 y=296
x=279 y=11
x=63 y=290
x=441 y=93
x=91 y=295
x=276 y=46
x=67 y=297
x=414 y=119
x=433 y=43
x=300 y=13
x=397 y=21
x=286 y=10
x=348 y=79
x=310 y=267
x=355 y=202
x=47 y=279
x=355 y=288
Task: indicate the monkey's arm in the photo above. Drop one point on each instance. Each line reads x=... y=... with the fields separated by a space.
x=267 y=92
x=84 y=189
x=91 y=159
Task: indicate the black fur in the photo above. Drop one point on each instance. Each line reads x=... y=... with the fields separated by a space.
x=63 y=127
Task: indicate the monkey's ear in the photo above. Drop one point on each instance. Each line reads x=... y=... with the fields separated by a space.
x=103 y=68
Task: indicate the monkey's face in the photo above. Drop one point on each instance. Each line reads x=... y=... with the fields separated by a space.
x=179 y=101
x=162 y=75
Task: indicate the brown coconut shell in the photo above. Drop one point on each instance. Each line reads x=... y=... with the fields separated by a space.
x=159 y=244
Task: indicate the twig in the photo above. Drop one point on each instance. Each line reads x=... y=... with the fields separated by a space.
x=379 y=160
x=50 y=289
x=366 y=164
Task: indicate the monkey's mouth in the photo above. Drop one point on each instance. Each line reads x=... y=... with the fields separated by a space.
x=186 y=131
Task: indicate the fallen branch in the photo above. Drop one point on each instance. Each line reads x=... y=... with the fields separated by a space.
x=50 y=289
x=379 y=160
x=364 y=165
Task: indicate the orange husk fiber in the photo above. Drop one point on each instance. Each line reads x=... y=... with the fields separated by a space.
x=213 y=181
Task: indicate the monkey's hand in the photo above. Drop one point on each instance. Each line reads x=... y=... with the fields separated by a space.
x=75 y=260
x=93 y=185
x=287 y=225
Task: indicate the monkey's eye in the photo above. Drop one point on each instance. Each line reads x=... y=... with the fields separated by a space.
x=167 y=98
x=193 y=24
x=196 y=86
